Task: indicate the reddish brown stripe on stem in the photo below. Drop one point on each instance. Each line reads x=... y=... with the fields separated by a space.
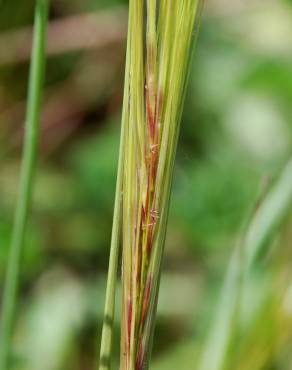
x=130 y=315
x=150 y=117
x=143 y=215
x=146 y=299
x=140 y=358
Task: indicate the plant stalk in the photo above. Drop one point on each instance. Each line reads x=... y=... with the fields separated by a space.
x=159 y=53
x=110 y=299
x=26 y=181
x=264 y=225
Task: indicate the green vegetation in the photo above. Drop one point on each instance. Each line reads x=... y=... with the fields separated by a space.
x=26 y=181
x=225 y=293
x=151 y=118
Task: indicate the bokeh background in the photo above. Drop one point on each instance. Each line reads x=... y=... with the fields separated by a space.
x=236 y=135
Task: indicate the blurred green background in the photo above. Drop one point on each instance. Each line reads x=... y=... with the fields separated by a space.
x=236 y=135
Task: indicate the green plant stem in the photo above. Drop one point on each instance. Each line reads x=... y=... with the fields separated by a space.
x=269 y=218
x=109 y=309
x=261 y=230
x=26 y=180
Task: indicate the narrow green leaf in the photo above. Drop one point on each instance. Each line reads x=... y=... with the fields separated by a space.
x=263 y=227
x=26 y=180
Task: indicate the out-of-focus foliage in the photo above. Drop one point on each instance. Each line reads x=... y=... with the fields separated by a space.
x=236 y=134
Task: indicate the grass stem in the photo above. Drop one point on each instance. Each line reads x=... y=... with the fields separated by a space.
x=109 y=309
x=26 y=181
x=255 y=246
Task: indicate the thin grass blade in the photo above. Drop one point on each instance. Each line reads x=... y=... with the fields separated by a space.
x=262 y=229
x=26 y=180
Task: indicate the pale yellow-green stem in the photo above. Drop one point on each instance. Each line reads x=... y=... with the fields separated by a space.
x=158 y=54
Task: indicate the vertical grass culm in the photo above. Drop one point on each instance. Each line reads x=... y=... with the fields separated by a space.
x=158 y=55
x=26 y=180
x=252 y=250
